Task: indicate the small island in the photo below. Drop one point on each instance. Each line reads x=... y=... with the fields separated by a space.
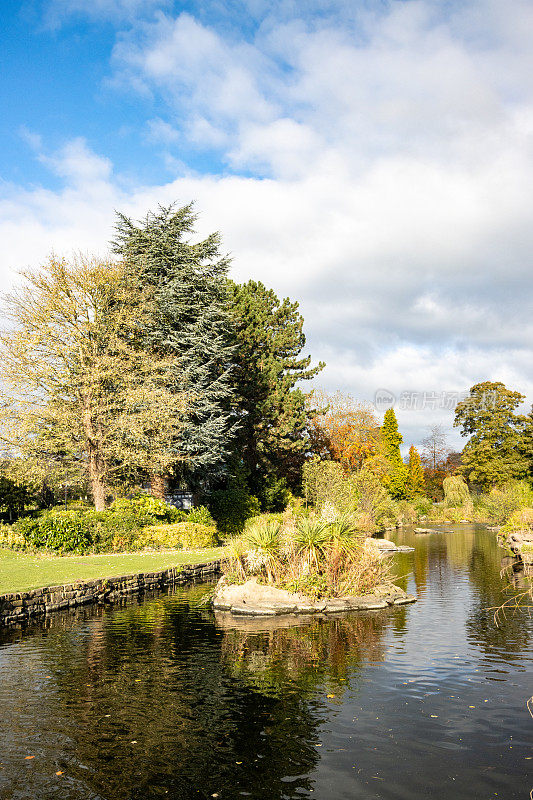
x=306 y=565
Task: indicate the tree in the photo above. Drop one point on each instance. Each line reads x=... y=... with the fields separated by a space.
x=527 y=444
x=344 y=429
x=191 y=326
x=494 y=453
x=396 y=477
x=415 y=477
x=78 y=390
x=271 y=411
x=435 y=458
x=435 y=446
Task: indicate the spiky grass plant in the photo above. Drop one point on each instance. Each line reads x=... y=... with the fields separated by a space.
x=263 y=537
x=311 y=538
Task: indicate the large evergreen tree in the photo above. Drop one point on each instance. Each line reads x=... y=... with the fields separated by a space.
x=271 y=409
x=495 y=451
x=191 y=324
x=396 y=477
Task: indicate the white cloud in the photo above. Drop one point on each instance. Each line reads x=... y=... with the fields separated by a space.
x=391 y=163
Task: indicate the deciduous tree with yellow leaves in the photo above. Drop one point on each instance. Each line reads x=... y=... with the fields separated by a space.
x=78 y=388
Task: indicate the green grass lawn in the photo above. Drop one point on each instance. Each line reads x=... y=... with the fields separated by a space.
x=21 y=571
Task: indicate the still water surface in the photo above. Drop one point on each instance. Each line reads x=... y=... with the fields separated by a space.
x=160 y=699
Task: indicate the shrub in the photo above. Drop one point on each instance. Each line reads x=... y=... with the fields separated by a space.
x=274 y=494
x=144 y=504
x=64 y=531
x=11 y=539
x=202 y=515
x=500 y=504
x=520 y=520
x=455 y=491
x=231 y=508
x=325 y=482
x=190 y=535
x=308 y=555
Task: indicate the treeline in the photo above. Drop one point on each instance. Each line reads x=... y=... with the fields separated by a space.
x=153 y=367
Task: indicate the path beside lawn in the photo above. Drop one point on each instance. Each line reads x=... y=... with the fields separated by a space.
x=20 y=572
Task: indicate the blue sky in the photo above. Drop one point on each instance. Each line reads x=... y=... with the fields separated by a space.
x=373 y=160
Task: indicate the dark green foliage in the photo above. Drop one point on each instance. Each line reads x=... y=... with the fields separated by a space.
x=396 y=479
x=83 y=530
x=231 y=507
x=64 y=531
x=13 y=499
x=191 y=324
x=274 y=494
x=271 y=412
x=494 y=453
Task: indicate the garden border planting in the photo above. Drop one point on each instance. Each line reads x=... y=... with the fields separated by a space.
x=19 y=607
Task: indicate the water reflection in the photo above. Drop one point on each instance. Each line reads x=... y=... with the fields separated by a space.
x=161 y=698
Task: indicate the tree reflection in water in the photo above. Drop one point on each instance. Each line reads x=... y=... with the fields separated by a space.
x=269 y=653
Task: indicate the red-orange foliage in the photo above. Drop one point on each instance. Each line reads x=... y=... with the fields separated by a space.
x=344 y=429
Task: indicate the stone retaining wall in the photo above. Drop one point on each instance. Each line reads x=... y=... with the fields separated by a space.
x=22 y=606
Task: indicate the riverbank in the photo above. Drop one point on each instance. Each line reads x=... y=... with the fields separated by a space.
x=22 y=572
x=20 y=607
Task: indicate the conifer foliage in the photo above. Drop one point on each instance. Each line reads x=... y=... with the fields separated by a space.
x=396 y=478
x=191 y=324
x=271 y=411
x=415 y=476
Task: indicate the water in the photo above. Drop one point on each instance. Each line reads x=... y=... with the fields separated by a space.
x=158 y=699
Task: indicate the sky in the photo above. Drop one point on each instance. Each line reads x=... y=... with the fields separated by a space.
x=371 y=159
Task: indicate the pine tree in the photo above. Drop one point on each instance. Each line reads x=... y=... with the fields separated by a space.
x=268 y=364
x=192 y=325
x=396 y=478
x=415 y=477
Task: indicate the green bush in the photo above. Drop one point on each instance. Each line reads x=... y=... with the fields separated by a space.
x=231 y=508
x=143 y=504
x=11 y=539
x=500 y=504
x=201 y=515
x=190 y=535
x=64 y=531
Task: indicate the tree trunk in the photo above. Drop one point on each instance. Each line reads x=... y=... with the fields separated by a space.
x=158 y=486
x=97 y=480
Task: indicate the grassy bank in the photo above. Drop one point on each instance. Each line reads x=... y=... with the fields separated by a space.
x=20 y=572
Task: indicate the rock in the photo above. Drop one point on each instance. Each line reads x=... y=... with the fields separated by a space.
x=409 y=598
x=426 y=530
x=385 y=544
x=253 y=599
x=403 y=548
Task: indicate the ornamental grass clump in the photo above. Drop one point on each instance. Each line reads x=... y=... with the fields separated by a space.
x=308 y=555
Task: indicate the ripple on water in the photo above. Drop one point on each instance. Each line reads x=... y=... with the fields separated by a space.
x=153 y=700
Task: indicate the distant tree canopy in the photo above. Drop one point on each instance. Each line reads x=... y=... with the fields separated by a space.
x=344 y=429
x=497 y=449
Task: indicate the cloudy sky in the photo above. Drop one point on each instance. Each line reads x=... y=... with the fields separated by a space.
x=372 y=159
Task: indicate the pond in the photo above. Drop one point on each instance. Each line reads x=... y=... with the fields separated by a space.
x=159 y=699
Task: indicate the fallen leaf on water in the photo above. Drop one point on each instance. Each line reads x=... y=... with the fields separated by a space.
x=59 y=772
x=434 y=716
x=28 y=758
x=330 y=695
x=471 y=706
